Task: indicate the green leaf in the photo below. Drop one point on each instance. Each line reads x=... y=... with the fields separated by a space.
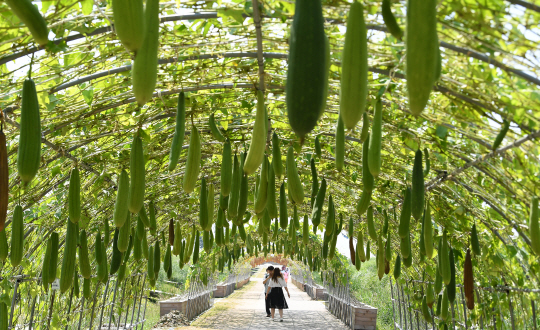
x=233 y=14
x=87 y=6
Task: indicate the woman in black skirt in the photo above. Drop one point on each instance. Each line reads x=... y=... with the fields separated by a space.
x=275 y=294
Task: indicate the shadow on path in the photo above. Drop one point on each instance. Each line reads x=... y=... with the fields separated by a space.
x=244 y=309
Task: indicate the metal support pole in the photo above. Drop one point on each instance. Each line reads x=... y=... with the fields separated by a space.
x=134 y=301
x=93 y=306
x=32 y=314
x=393 y=302
x=453 y=316
x=464 y=308
x=69 y=307
x=140 y=302
x=104 y=305
x=144 y=313
x=121 y=303
x=53 y=294
x=112 y=306
x=404 y=308
x=534 y=314
x=13 y=303
x=81 y=313
x=511 y=310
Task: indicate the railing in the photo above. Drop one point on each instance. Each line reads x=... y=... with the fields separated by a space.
x=338 y=297
x=200 y=297
x=114 y=305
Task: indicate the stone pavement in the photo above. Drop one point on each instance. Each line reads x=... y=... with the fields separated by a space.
x=244 y=309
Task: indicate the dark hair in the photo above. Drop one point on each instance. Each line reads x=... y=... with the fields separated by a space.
x=276 y=274
x=270 y=268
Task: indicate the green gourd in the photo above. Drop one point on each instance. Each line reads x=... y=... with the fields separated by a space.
x=340 y=145
x=360 y=247
x=137 y=247
x=157 y=258
x=137 y=173
x=422 y=59
x=390 y=20
x=375 y=141
x=428 y=166
x=277 y=162
x=417 y=187
x=144 y=217
x=445 y=261
x=262 y=192
x=152 y=218
x=69 y=262
x=46 y=262
x=534 y=227
x=305 y=231
x=364 y=134
x=193 y=161
x=367 y=178
x=318 y=206
x=232 y=210
x=405 y=247
x=29 y=150
x=84 y=260
x=150 y=264
x=475 y=243
x=330 y=218
x=123 y=235
x=144 y=246
x=179 y=129
x=451 y=287
x=405 y=217
x=370 y=224
x=425 y=310
x=17 y=237
x=363 y=203
x=129 y=22
x=294 y=184
x=380 y=257
x=271 y=204
x=307 y=74
x=256 y=150
x=444 y=305
x=501 y=135
x=29 y=14
x=438 y=281
x=428 y=232
x=354 y=68
x=318 y=149
x=116 y=258
x=314 y=181
x=203 y=206
x=216 y=133
x=196 y=250
x=86 y=289
x=283 y=213
x=397 y=267
x=226 y=169
x=145 y=65
x=74 y=196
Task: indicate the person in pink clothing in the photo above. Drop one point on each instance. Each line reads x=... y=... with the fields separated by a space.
x=285 y=273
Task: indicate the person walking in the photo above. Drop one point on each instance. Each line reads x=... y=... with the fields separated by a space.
x=267 y=278
x=274 y=294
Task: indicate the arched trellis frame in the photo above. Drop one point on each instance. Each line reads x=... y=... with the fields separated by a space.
x=221 y=54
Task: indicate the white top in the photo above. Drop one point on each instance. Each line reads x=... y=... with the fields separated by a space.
x=279 y=284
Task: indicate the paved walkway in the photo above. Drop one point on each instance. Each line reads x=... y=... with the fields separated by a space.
x=244 y=309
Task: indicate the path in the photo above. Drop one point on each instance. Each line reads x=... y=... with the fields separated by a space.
x=244 y=309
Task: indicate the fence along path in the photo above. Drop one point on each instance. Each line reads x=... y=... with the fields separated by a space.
x=244 y=309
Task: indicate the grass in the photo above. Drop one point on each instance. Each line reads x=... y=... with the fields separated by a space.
x=366 y=288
